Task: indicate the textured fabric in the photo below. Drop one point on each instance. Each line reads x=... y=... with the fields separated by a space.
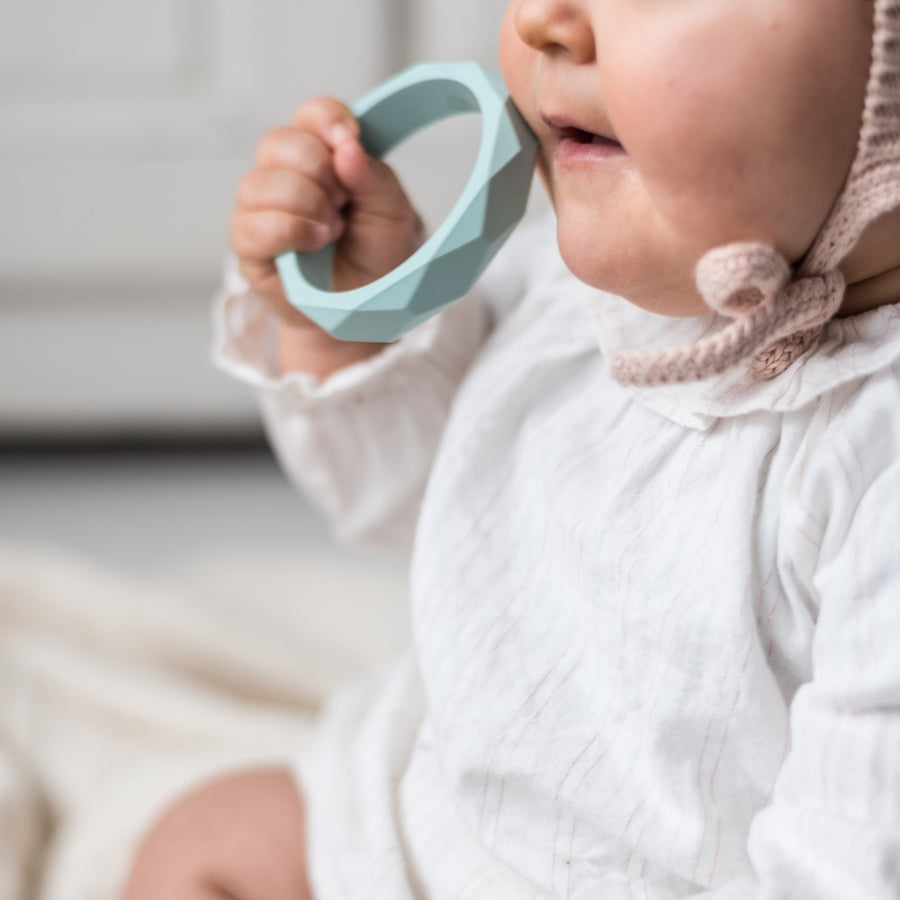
x=778 y=316
x=119 y=693
x=655 y=629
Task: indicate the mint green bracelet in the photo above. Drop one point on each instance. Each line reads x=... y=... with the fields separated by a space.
x=446 y=266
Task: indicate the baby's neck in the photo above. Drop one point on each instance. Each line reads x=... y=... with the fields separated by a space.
x=871 y=293
x=872 y=269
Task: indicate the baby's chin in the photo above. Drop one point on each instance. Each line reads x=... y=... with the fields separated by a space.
x=589 y=251
x=592 y=257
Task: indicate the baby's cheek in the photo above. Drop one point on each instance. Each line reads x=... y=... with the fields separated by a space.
x=704 y=177
x=681 y=126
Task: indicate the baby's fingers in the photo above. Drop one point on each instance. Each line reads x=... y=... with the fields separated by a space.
x=257 y=237
x=374 y=189
x=284 y=191
x=264 y=234
x=290 y=149
x=329 y=119
x=253 y=235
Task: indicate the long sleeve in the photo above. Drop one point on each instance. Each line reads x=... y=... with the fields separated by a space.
x=832 y=829
x=360 y=442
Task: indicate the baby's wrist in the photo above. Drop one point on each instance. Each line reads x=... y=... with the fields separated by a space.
x=309 y=348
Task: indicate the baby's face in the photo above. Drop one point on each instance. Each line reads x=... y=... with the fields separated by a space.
x=718 y=120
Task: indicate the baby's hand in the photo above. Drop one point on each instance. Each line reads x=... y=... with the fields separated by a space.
x=313 y=183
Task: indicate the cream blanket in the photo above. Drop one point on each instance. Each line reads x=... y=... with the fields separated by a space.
x=119 y=692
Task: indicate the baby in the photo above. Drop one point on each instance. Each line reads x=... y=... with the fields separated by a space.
x=649 y=472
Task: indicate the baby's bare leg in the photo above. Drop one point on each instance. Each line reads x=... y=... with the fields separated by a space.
x=239 y=838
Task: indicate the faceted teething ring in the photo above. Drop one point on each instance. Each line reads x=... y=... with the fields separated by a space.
x=446 y=266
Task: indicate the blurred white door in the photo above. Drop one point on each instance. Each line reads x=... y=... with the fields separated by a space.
x=124 y=128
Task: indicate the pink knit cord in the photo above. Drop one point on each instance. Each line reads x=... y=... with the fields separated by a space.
x=775 y=319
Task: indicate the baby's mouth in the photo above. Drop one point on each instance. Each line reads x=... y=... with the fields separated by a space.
x=586 y=137
x=574 y=144
x=576 y=147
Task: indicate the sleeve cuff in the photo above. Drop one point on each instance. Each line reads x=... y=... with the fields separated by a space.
x=244 y=346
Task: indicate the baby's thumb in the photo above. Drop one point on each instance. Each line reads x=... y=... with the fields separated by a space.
x=373 y=187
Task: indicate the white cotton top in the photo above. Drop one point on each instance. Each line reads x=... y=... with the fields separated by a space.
x=656 y=632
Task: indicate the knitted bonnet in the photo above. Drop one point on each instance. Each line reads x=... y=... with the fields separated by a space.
x=778 y=313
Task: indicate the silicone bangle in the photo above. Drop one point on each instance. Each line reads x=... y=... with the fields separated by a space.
x=446 y=266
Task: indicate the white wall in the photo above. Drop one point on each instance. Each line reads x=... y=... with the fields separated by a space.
x=124 y=128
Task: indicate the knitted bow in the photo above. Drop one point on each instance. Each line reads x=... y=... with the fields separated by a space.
x=776 y=319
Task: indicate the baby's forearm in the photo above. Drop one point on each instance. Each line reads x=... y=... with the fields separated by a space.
x=304 y=349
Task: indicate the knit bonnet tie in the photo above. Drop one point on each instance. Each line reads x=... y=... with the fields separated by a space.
x=776 y=318
x=777 y=313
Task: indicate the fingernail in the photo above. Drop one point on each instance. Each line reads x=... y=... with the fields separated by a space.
x=323 y=233
x=341 y=133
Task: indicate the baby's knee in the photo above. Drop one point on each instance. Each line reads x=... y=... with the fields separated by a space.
x=242 y=836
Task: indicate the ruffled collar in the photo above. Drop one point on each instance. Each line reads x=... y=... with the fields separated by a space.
x=848 y=349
